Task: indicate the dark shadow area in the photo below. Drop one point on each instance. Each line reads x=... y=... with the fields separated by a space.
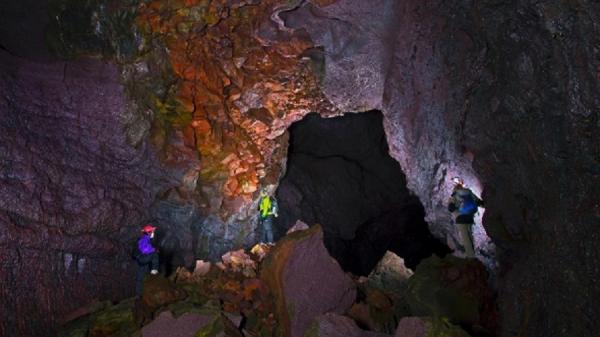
x=340 y=175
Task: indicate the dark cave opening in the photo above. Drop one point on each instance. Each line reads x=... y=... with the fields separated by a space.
x=340 y=175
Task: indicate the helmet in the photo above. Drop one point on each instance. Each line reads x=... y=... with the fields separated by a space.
x=148 y=228
x=458 y=181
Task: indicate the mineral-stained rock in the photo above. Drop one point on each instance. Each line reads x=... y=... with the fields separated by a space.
x=260 y=250
x=185 y=325
x=305 y=281
x=334 y=325
x=454 y=288
x=426 y=327
x=239 y=261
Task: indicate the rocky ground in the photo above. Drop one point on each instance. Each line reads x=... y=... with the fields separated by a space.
x=294 y=289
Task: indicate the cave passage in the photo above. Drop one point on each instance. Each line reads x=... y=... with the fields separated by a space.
x=340 y=175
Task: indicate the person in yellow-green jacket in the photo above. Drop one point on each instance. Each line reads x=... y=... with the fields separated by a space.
x=267 y=209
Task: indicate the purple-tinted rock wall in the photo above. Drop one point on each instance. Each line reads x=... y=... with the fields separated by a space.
x=72 y=191
x=506 y=95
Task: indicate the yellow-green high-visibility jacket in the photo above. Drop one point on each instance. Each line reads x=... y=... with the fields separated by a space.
x=265 y=207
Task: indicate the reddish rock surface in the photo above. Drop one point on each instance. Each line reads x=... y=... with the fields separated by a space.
x=306 y=281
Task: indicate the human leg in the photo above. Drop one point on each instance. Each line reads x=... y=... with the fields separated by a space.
x=154 y=263
x=143 y=269
x=464 y=230
x=268 y=229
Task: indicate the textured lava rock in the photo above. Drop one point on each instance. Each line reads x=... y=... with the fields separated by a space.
x=306 y=281
x=159 y=291
x=390 y=274
x=454 y=288
x=505 y=95
x=333 y=325
x=116 y=320
x=423 y=327
x=340 y=175
x=396 y=69
x=240 y=83
x=185 y=325
x=72 y=191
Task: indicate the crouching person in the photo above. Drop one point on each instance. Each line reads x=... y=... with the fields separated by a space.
x=147 y=258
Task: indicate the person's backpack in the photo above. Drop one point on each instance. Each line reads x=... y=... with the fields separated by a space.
x=274 y=207
x=468 y=204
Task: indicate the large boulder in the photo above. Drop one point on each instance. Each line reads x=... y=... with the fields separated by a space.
x=454 y=288
x=333 y=325
x=375 y=310
x=103 y=320
x=382 y=296
x=306 y=281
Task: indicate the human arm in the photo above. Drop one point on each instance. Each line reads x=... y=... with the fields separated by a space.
x=452 y=203
x=478 y=200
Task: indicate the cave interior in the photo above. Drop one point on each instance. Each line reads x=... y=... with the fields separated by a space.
x=355 y=115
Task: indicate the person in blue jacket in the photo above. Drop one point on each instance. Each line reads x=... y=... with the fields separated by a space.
x=147 y=257
x=465 y=204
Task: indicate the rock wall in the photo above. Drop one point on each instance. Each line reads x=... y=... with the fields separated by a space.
x=72 y=191
x=504 y=94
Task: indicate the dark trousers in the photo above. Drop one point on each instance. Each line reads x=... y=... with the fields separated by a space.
x=267 y=228
x=146 y=262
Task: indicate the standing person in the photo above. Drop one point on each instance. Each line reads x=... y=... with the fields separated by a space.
x=267 y=208
x=147 y=257
x=464 y=203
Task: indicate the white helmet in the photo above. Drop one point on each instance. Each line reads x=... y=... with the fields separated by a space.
x=458 y=181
